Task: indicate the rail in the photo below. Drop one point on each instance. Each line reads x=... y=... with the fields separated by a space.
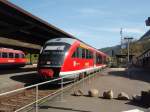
x=51 y=95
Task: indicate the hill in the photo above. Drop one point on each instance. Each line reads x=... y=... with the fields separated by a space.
x=136 y=48
x=111 y=51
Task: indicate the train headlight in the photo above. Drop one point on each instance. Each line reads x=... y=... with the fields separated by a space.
x=66 y=54
x=48 y=62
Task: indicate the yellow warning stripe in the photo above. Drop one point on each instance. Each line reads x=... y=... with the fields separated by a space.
x=84 y=46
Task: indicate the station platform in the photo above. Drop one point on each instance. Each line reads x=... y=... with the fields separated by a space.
x=115 y=79
x=14 y=78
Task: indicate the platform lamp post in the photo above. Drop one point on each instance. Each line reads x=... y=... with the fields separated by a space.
x=128 y=41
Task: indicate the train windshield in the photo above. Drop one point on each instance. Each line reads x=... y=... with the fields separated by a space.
x=53 y=54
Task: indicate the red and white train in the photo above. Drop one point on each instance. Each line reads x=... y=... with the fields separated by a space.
x=12 y=58
x=64 y=56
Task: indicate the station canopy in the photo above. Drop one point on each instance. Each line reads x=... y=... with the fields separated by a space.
x=20 y=29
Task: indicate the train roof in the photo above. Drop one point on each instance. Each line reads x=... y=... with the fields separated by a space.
x=10 y=50
x=62 y=39
x=71 y=41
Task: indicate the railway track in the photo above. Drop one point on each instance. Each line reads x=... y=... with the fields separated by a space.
x=16 y=100
x=13 y=102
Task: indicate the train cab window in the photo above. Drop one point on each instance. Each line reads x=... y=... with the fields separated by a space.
x=16 y=55
x=0 y=54
x=11 y=55
x=4 y=55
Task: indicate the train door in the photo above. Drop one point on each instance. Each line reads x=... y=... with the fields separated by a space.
x=77 y=58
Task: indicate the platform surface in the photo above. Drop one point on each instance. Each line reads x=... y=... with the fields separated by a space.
x=14 y=78
x=115 y=79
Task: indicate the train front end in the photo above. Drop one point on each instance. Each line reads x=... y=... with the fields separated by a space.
x=52 y=57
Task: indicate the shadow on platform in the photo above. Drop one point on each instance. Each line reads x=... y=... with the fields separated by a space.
x=5 y=71
x=62 y=108
x=137 y=104
x=31 y=79
x=133 y=74
x=28 y=79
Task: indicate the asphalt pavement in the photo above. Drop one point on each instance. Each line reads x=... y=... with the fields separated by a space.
x=115 y=79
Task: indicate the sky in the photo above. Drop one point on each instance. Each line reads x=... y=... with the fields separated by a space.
x=96 y=22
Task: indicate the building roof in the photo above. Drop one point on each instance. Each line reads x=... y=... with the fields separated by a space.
x=18 y=24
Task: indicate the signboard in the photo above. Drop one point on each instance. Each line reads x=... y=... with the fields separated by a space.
x=54 y=48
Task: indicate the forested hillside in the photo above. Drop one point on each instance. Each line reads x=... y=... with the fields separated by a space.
x=136 y=47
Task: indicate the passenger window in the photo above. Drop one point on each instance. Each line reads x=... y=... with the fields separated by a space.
x=4 y=55
x=16 y=55
x=80 y=52
x=83 y=53
x=11 y=55
x=21 y=56
x=76 y=53
x=98 y=59
x=91 y=54
x=87 y=54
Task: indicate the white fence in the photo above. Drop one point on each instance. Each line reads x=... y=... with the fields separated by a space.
x=38 y=100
